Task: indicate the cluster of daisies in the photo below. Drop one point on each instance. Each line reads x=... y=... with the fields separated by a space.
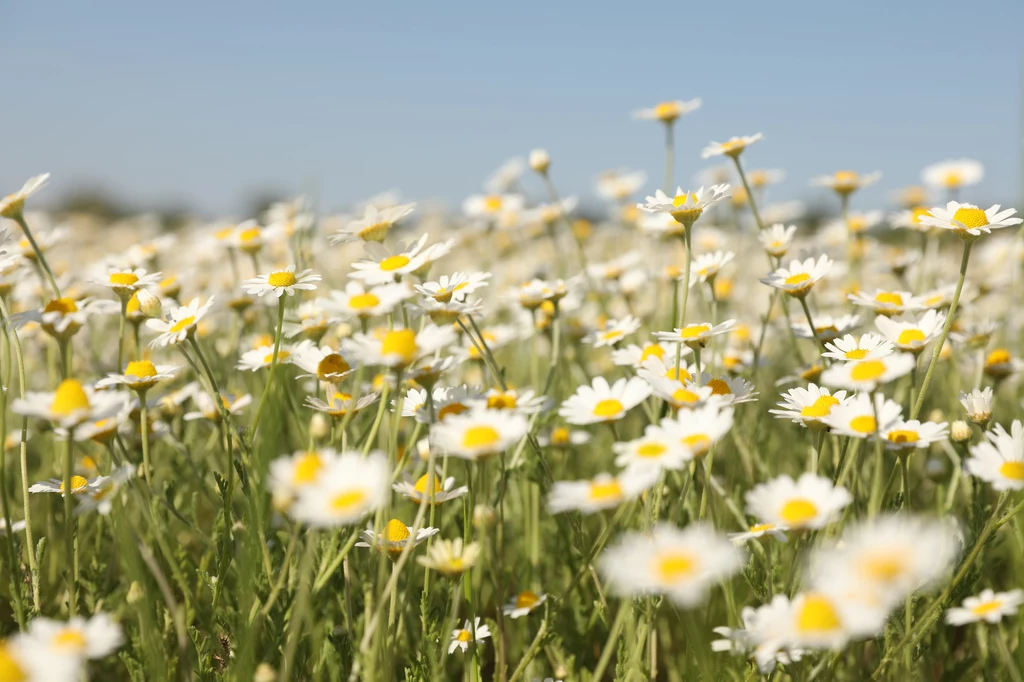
x=430 y=399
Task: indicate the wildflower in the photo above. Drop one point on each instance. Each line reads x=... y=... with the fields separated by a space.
x=604 y=491
x=125 y=282
x=395 y=537
x=62 y=317
x=601 y=402
x=909 y=335
x=210 y=411
x=479 y=433
x=281 y=282
x=523 y=402
x=846 y=182
x=491 y=206
x=540 y=161
x=695 y=335
x=870 y=373
x=291 y=473
x=809 y=406
x=563 y=437
x=373 y=226
x=362 y=302
x=613 y=332
x=385 y=266
x=397 y=347
x=531 y=295
x=634 y=356
x=450 y=557
x=682 y=564
x=968 y=221
x=180 y=323
x=99 y=495
x=999 y=459
x=777 y=239
x=810 y=502
x=667 y=112
x=698 y=429
x=350 y=487
x=456 y=286
x=907 y=435
x=325 y=363
x=757 y=640
x=988 y=606
x=758 y=530
x=76 y=640
x=816 y=619
x=826 y=327
x=470 y=633
x=850 y=349
x=524 y=603
x=657 y=449
x=339 y=404
x=978 y=404
x=79 y=486
x=953 y=174
x=889 y=302
x=707 y=266
x=856 y=416
x=262 y=356
x=684 y=207
x=139 y=375
x=70 y=405
x=800 y=277
x=999 y=364
x=619 y=185
x=732 y=147
x=12 y=205
x=444 y=489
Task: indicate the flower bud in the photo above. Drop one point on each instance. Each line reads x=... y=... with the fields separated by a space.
x=264 y=673
x=135 y=593
x=960 y=431
x=149 y=303
x=319 y=428
x=540 y=161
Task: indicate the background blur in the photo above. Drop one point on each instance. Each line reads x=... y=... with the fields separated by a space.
x=211 y=106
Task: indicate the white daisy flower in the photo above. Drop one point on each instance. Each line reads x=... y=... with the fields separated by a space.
x=889 y=302
x=657 y=449
x=733 y=147
x=322 y=362
x=800 y=277
x=281 y=282
x=523 y=604
x=777 y=239
x=444 y=489
x=601 y=402
x=909 y=335
x=456 y=286
x=999 y=459
x=846 y=181
x=634 y=356
x=263 y=356
x=978 y=404
x=523 y=402
x=13 y=205
x=395 y=537
x=613 y=332
x=758 y=530
x=339 y=404
x=490 y=206
x=953 y=174
x=816 y=619
x=968 y=221
x=139 y=375
x=684 y=207
x=619 y=185
x=479 y=433
x=695 y=334
x=729 y=390
x=80 y=485
x=826 y=327
x=532 y=294
x=70 y=405
x=291 y=473
x=850 y=349
x=385 y=266
x=563 y=437
x=669 y=111
x=856 y=416
x=470 y=633
x=604 y=491
x=699 y=428
x=682 y=564
x=397 y=347
x=810 y=502
x=448 y=401
x=350 y=487
x=373 y=226
x=363 y=302
x=707 y=266
x=988 y=606
x=62 y=317
x=100 y=494
x=126 y=282
x=450 y=557
x=910 y=219
x=809 y=406
x=870 y=373
x=208 y=410
x=180 y=323
x=78 y=638
x=756 y=640
x=907 y=435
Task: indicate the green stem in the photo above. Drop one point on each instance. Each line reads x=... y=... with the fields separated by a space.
x=20 y=219
x=273 y=368
x=750 y=195
x=70 y=530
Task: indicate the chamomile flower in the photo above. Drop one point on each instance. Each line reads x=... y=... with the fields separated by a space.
x=728 y=390
x=682 y=564
x=856 y=416
x=469 y=633
x=907 y=435
x=988 y=606
x=80 y=485
x=657 y=449
x=999 y=459
x=456 y=286
x=910 y=335
x=700 y=428
x=777 y=239
x=126 y=282
x=669 y=111
x=809 y=406
x=395 y=537
x=447 y=400
x=362 y=302
x=62 y=317
x=697 y=334
x=491 y=206
x=78 y=638
x=733 y=147
x=756 y=639
x=444 y=489
x=291 y=473
x=350 y=487
x=450 y=557
x=953 y=174
x=613 y=332
x=707 y=266
x=208 y=409
x=826 y=327
x=816 y=619
x=563 y=437
x=523 y=604
x=373 y=226
x=479 y=433
x=13 y=205
x=684 y=207
x=604 y=491
x=70 y=405
x=385 y=266
x=532 y=294
x=846 y=182
x=869 y=373
x=635 y=356
x=339 y=404
x=99 y=496
x=523 y=402
x=759 y=530
x=887 y=558
x=601 y=402
x=1000 y=363
x=180 y=323
x=978 y=404
x=323 y=362
x=397 y=347
x=849 y=348
x=263 y=356
x=800 y=277
x=140 y=376
x=281 y=282
x=968 y=221
x=619 y=185
x=810 y=502
x=887 y=302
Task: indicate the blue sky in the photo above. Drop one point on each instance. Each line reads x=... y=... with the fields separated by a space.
x=207 y=102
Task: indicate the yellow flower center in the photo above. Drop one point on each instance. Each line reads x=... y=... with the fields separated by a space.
x=374 y=233
x=394 y=263
x=681 y=396
x=69 y=639
x=762 y=527
x=1012 y=469
x=952 y=179
x=909 y=337
x=123 y=279
x=183 y=324
x=560 y=436
x=867 y=370
x=917 y=213
x=865 y=423
x=798 y=511
x=249 y=235
x=651 y=450
x=282 y=278
x=282 y=355
x=140 y=368
x=396 y=531
x=307 y=468
x=698 y=443
x=526 y=600
x=902 y=436
x=986 y=608
x=798 y=278
x=70 y=397
x=348 y=501
x=464 y=636
x=719 y=387
x=652 y=351
x=821 y=407
x=480 y=437
x=449 y=409
x=10 y=669
x=971 y=217
x=502 y=401
x=421 y=484
x=675 y=566
x=666 y=111
x=999 y=356
x=609 y=407
x=885 y=567
x=611 y=335
x=78 y=484
x=846 y=178
x=678 y=374
x=363 y=302
x=889 y=297
x=64 y=306
x=331 y=364
x=493 y=203
x=694 y=331
x=856 y=354
x=817 y=615
x=401 y=342
x=605 y=491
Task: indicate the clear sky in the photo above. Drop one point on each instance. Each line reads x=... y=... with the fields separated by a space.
x=207 y=102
